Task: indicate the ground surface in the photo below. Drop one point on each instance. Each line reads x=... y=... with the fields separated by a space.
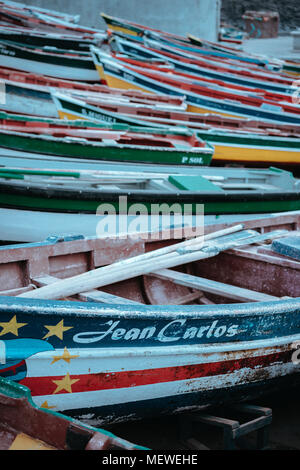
x=164 y=433
x=279 y=48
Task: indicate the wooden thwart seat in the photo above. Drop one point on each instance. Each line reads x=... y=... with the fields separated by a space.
x=213 y=287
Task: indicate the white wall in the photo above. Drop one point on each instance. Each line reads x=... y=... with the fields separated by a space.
x=198 y=17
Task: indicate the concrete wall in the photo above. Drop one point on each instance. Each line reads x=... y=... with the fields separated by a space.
x=198 y=17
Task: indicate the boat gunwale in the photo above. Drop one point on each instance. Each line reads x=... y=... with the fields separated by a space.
x=17 y=188
x=66 y=308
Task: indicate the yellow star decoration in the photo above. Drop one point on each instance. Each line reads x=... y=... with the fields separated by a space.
x=46 y=406
x=11 y=327
x=66 y=357
x=65 y=383
x=57 y=330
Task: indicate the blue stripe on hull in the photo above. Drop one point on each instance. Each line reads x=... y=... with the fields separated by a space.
x=199 y=101
x=95 y=326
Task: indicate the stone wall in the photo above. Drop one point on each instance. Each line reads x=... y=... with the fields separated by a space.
x=289 y=11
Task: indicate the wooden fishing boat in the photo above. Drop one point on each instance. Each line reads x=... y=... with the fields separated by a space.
x=209 y=191
x=183 y=61
x=73 y=109
x=17 y=76
x=42 y=20
x=25 y=426
x=224 y=55
x=19 y=6
x=253 y=64
x=121 y=75
x=137 y=32
x=37 y=100
x=145 y=145
x=62 y=65
x=164 y=116
x=36 y=38
x=242 y=141
x=220 y=51
x=22 y=159
x=30 y=93
x=137 y=338
x=195 y=79
x=288 y=67
x=117 y=24
x=292 y=67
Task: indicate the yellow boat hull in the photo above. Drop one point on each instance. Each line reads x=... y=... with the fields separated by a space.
x=230 y=153
x=249 y=154
x=114 y=82
x=71 y=117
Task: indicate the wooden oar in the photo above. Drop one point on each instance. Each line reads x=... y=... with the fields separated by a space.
x=164 y=251
x=199 y=241
x=137 y=266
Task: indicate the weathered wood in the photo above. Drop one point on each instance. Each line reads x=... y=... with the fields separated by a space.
x=105 y=298
x=185 y=299
x=290 y=247
x=91 y=296
x=213 y=287
x=65 y=283
x=17 y=291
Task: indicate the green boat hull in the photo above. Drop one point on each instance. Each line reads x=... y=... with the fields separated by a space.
x=211 y=137
x=94 y=152
x=222 y=203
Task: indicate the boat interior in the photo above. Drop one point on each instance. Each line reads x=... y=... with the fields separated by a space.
x=254 y=273
x=208 y=180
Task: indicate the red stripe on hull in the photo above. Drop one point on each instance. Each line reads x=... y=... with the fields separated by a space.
x=125 y=379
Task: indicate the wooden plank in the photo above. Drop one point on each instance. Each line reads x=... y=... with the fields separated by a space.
x=105 y=298
x=289 y=246
x=213 y=287
x=186 y=298
x=91 y=296
x=17 y=290
x=264 y=253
